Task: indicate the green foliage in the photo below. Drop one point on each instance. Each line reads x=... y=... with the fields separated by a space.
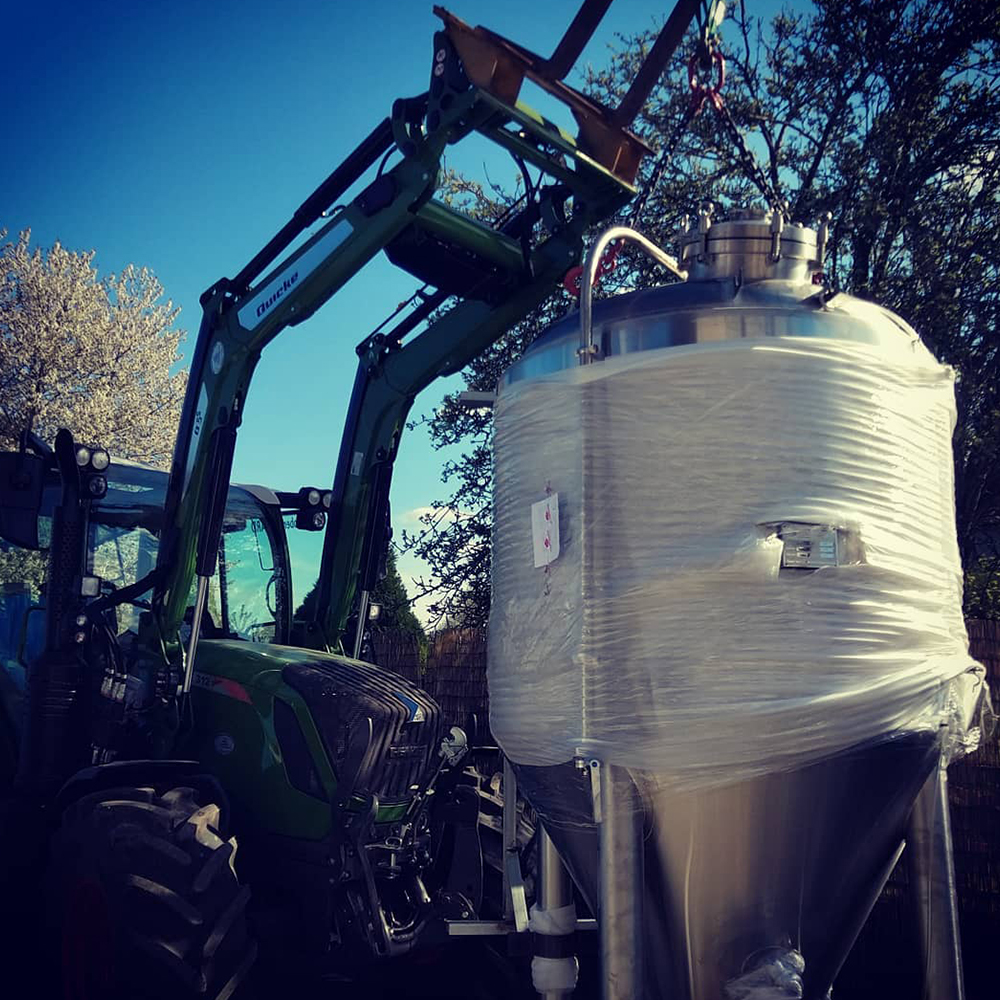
x=885 y=115
x=391 y=596
x=982 y=589
x=23 y=568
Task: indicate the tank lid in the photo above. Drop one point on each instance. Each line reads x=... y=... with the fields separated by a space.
x=752 y=245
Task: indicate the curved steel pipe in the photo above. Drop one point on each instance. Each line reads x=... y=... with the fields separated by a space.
x=650 y=249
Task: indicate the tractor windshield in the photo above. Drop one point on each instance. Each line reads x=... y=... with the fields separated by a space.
x=248 y=596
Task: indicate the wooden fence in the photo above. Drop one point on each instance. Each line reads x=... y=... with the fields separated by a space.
x=452 y=671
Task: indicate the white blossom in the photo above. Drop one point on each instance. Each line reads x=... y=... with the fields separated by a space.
x=91 y=354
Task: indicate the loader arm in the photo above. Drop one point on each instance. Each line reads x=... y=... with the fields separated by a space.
x=485 y=278
x=389 y=378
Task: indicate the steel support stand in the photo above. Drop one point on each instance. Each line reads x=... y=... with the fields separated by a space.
x=554 y=967
x=932 y=884
x=622 y=886
x=515 y=907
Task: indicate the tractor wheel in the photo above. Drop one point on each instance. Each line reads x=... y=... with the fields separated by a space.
x=145 y=899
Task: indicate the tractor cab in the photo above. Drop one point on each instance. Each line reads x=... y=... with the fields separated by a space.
x=249 y=595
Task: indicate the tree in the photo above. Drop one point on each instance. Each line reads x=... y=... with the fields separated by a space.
x=87 y=353
x=395 y=612
x=885 y=115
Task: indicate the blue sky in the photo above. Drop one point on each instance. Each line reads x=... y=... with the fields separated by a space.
x=181 y=136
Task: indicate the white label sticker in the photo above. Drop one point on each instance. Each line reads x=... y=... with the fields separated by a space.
x=258 y=308
x=545 y=529
x=196 y=429
x=358 y=463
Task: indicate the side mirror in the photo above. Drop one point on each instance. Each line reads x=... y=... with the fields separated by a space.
x=22 y=478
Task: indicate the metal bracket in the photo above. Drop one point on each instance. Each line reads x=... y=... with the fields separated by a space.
x=518 y=899
x=822 y=235
x=595 y=789
x=497 y=65
x=777 y=225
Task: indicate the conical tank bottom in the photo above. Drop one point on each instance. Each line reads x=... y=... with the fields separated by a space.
x=791 y=859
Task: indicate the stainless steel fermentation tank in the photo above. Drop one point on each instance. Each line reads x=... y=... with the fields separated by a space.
x=701 y=886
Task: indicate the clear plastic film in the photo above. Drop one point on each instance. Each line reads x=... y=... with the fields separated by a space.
x=776 y=975
x=757 y=561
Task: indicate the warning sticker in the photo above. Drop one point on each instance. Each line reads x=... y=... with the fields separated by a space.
x=545 y=529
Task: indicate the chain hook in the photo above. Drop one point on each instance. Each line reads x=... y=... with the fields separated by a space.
x=700 y=92
x=574 y=276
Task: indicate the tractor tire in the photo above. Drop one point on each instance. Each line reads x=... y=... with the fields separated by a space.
x=145 y=900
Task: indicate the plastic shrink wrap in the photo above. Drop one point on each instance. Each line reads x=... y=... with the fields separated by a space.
x=755 y=564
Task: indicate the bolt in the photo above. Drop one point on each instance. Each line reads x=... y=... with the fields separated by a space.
x=440 y=55
x=438 y=69
x=80 y=637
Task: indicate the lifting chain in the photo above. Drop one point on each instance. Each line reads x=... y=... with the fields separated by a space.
x=748 y=161
x=706 y=60
x=662 y=162
x=709 y=19
x=708 y=57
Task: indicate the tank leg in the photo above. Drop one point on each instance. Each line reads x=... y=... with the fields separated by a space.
x=554 y=967
x=621 y=847
x=515 y=908
x=932 y=883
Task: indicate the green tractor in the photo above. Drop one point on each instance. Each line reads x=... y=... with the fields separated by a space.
x=154 y=727
x=107 y=832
